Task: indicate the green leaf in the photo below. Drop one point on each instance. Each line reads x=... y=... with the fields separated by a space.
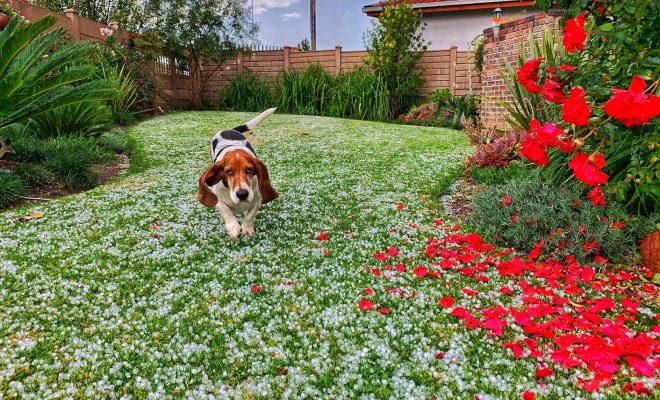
x=606 y=27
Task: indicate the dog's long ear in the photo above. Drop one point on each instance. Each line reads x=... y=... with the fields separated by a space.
x=268 y=193
x=213 y=174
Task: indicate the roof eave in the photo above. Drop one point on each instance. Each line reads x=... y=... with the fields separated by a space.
x=374 y=11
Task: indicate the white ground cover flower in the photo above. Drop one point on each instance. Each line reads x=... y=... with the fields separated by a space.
x=134 y=290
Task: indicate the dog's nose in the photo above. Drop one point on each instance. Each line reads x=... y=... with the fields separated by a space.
x=242 y=194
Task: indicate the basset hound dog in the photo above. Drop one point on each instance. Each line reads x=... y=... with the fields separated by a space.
x=238 y=181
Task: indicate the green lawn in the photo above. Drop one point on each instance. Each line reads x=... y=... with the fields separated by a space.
x=135 y=289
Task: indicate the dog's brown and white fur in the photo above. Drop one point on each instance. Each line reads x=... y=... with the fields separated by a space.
x=238 y=181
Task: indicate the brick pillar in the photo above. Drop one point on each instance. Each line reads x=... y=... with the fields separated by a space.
x=287 y=53
x=75 y=23
x=239 y=63
x=452 y=69
x=337 y=59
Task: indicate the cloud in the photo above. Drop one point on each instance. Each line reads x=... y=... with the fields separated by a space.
x=261 y=6
x=288 y=16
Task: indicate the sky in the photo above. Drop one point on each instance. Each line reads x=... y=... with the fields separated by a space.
x=286 y=22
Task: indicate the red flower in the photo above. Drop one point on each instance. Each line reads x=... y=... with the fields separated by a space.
x=552 y=92
x=617 y=225
x=574 y=34
x=575 y=109
x=383 y=310
x=528 y=395
x=421 y=271
x=529 y=74
x=282 y=371
x=325 y=252
x=133 y=35
x=536 y=251
x=534 y=151
x=596 y=196
x=440 y=356
x=506 y=290
x=255 y=288
x=400 y=267
x=640 y=366
x=506 y=200
x=470 y=292
x=392 y=251
x=380 y=256
x=322 y=237
x=514 y=219
x=588 y=168
x=446 y=302
x=365 y=304
x=51 y=48
x=566 y=67
x=632 y=107
x=369 y=291
x=400 y=206
x=544 y=372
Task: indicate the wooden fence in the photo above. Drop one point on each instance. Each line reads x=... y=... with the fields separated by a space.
x=451 y=68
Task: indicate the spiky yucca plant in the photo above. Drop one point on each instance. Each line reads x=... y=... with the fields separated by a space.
x=34 y=80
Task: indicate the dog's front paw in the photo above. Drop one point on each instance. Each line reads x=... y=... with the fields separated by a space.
x=234 y=230
x=248 y=229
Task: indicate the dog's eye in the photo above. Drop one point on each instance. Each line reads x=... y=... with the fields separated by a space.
x=229 y=172
x=249 y=170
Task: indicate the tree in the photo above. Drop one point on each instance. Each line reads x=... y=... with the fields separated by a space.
x=31 y=83
x=304 y=45
x=395 y=46
x=202 y=32
x=126 y=12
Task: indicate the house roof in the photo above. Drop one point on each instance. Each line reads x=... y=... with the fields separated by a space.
x=433 y=6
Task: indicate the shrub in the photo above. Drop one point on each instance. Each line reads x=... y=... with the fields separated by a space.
x=359 y=94
x=491 y=176
x=538 y=211
x=12 y=187
x=498 y=153
x=34 y=176
x=114 y=141
x=395 y=46
x=246 y=92
x=36 y=79
x=26 y=144
x=476 y=134
x=463 y=108
x=72 y=158
x=86 y=119
x=426 y=114
x=442 y=97
x=307 y=92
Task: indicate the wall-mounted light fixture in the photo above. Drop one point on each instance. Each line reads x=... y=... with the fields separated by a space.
x=497 y=21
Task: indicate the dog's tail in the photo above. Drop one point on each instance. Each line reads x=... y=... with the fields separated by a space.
x=254 y=122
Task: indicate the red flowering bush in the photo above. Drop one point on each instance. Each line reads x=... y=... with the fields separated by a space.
x=602 y=87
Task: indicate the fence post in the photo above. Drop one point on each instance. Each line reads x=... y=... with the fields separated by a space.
x=452 y=69
x=287 y=54
x=239 y=63
x=75 y=23
x=337 y=59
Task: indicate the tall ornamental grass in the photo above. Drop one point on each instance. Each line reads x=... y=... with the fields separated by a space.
x=357 y=94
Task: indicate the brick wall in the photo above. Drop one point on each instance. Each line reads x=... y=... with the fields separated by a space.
x=506 y=46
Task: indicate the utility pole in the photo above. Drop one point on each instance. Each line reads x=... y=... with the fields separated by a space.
x=312 y=22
